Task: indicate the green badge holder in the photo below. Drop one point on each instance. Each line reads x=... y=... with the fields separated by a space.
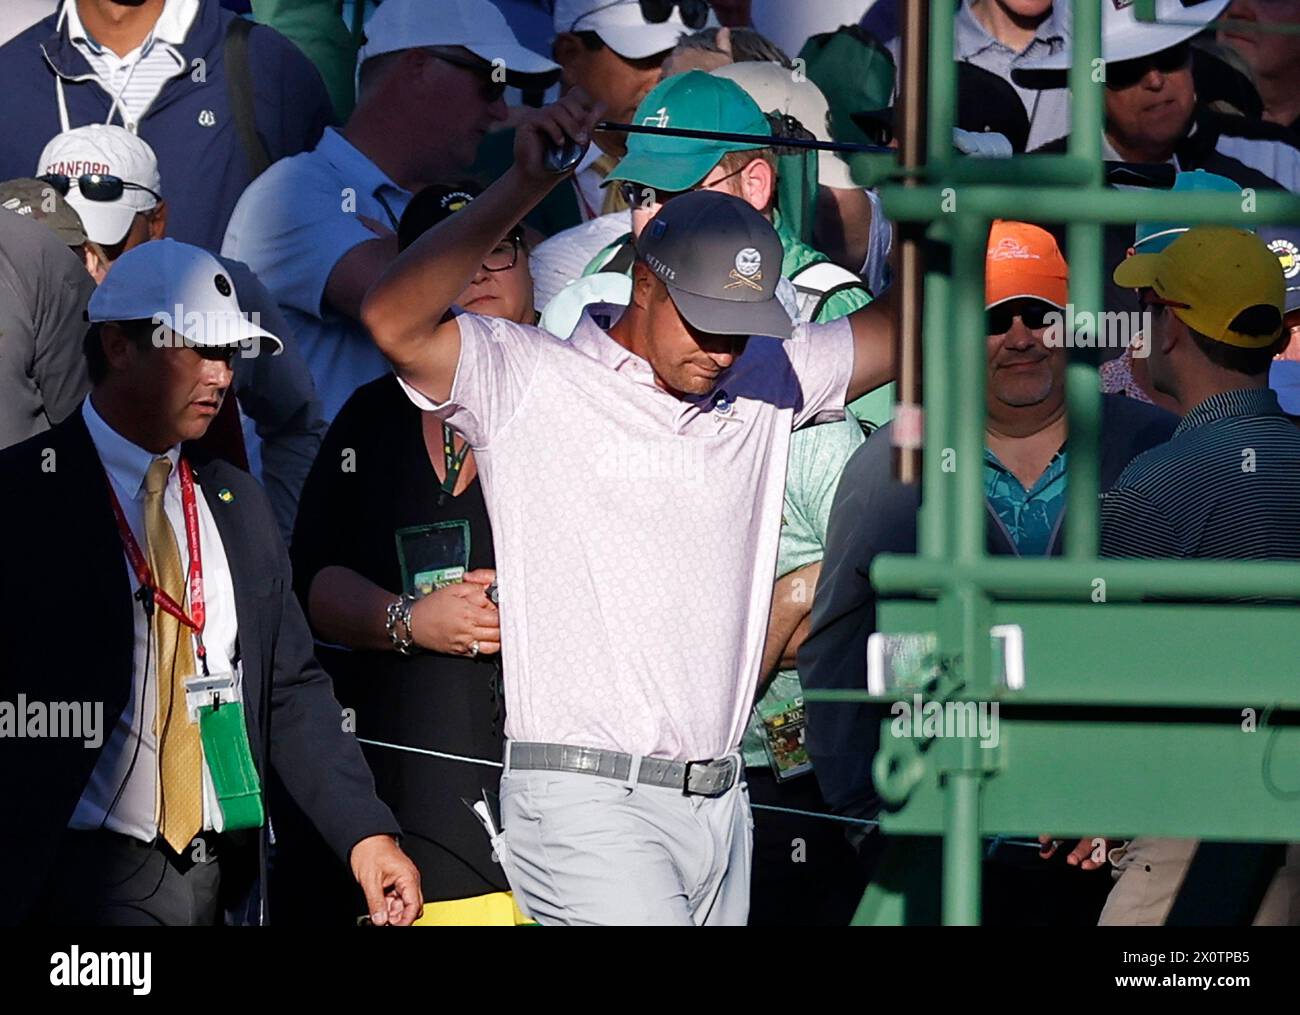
x=783 y=739
x=432 y=556
x=224 y=733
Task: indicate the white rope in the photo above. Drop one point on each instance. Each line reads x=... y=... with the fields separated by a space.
x=432 y=754
x=762 y=807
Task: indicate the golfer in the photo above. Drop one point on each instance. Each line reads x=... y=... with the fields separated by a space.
x=634 y=478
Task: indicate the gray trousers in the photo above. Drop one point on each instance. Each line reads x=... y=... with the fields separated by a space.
x=1150 y=871
x=587 y=850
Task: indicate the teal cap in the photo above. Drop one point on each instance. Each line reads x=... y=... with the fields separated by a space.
x=1153 y=237
x=692 y=101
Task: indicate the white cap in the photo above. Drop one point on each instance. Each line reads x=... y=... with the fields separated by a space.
x=476 y=25
x=622 y=27
x=105 y=150
x=180 y=286
x=1124 y=37
x=774 y=88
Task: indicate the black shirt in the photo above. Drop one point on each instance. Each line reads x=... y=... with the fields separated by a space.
x=372 y=477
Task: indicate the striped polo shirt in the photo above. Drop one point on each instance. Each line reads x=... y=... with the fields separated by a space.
x=1226 y=485
x=135 y=79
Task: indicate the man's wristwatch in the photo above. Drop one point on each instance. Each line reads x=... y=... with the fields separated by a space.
x=397 y=622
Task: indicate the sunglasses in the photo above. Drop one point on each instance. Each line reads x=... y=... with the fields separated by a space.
x=94 y=186
x=695 y=13
x=1032 y=315
x=638 y=195
x=1128 y=73
x=492 y=90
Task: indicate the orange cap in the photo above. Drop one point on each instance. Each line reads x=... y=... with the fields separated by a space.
x=1024 y=262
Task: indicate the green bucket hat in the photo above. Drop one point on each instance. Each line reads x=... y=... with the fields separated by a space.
x=692 y=101
x=855 y=73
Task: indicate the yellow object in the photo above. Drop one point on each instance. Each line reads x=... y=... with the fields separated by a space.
x=495 y=910
x=1218 y=272
x=180 y=751
x=613 y=200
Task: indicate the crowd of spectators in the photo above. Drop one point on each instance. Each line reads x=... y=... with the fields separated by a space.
x=528 y=482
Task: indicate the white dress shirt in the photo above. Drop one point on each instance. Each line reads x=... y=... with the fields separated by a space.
x=134 y=80
x=136 y=811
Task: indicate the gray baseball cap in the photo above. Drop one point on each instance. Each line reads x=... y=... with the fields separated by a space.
x=721 y=261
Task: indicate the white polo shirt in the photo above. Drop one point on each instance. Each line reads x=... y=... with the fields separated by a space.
x=636 y=533
x=292 y=225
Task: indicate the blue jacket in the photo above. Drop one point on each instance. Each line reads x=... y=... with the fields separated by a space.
x=873 y=514
x=204 y=168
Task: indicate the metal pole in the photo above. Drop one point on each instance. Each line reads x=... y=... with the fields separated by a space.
x=968 y=361
x=1017 y=579
x=934 y=526
x=1083 y=392
x=1056 y=204
x=961 y=843
x=908 y=429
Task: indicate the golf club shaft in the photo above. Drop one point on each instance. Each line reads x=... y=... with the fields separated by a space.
x=769 y=139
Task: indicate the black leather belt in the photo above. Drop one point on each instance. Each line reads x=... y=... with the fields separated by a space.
x=693 y=778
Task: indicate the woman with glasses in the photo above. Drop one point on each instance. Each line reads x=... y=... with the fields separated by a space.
x=393 y=561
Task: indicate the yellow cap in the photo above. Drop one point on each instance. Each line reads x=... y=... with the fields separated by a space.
x=1218 y=272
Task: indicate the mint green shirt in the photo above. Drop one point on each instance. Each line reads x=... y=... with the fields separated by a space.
x=817 y=457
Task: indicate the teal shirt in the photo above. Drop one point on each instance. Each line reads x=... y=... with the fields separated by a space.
x=1029 y=516
x=817 y=457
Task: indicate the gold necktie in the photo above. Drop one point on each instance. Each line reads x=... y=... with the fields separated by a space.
x=180 y=753
x=613 y=193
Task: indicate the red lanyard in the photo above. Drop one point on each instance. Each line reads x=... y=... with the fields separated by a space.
x=140 y=566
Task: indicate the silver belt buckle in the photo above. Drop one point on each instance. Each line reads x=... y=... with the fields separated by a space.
x=712 y=792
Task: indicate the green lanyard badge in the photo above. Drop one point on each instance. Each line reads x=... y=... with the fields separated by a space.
x=453 y=461
x=224 y=733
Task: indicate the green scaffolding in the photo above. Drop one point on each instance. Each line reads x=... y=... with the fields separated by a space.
x=1132 y=707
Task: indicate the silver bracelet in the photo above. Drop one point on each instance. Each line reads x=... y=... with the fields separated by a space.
x=398 y=613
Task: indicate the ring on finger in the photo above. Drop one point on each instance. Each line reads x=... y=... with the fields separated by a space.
x=473 y=649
